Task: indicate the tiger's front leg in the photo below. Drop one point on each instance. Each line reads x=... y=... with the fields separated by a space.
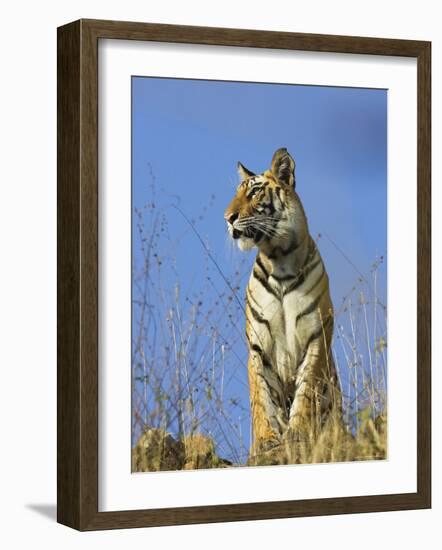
x=311 y=399
x=269 y=419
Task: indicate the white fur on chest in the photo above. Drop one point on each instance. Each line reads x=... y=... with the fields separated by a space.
x=285 y=346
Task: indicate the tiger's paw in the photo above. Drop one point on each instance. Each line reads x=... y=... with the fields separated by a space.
x=268 y=452
x=297 y=443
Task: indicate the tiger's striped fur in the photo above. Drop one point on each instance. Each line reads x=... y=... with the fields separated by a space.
x=289 y=313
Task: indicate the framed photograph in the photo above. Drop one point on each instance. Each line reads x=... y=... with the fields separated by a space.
x=243 y=274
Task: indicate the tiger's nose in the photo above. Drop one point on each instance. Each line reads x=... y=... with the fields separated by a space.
x=231 y=217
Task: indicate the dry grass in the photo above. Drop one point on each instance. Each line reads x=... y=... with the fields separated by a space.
x=157 y=450
x=334 y=444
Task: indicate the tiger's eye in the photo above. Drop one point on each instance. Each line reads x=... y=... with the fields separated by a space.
x=253 y=193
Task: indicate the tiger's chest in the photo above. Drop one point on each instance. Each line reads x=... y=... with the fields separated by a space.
x=274 y=325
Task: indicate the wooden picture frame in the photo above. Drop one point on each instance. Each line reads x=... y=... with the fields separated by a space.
x=77 y=225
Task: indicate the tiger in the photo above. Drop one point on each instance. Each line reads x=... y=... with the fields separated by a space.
x=292 y=377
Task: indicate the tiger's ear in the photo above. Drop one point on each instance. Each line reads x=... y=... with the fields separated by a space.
x=283 y=167
x=243 y=172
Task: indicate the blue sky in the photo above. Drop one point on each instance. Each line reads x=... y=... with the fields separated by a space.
x=187 y=137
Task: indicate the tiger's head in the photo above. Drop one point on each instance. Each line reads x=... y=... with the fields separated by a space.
x=266 y=211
